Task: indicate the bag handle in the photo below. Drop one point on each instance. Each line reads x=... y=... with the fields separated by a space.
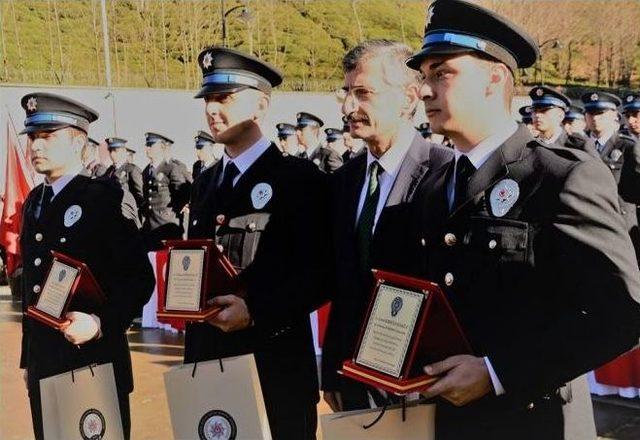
x=403 y=401
x=195 y=363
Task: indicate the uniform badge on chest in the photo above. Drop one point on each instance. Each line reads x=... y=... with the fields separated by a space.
x=260 y=195
x=615 y=155
x=72 y=215
x=503 y=196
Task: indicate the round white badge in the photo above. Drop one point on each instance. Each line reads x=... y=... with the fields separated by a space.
x=72 y=215
x=503 y=196
x=261 y=194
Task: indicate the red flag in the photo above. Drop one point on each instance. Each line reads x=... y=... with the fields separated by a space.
x=18 y=183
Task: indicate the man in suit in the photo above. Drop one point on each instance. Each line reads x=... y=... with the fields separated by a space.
x=548 y=110
x=499 y=228
x=267 y=212
x=308 y=131
x=619 y=151
x=574 y=122
x=127 y=174
x=370 y=198
x=631 y=109
x=166 y=187
x=86 y=219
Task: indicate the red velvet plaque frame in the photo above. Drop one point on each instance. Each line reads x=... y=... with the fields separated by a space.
x=84 y=287
x=436 y=335
x=219 y=277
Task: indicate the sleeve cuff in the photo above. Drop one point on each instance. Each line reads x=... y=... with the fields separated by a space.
x=497 y=386
x=98 y=322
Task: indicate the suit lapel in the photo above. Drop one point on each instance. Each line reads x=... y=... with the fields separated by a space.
x=414 y=165
x=352 y=196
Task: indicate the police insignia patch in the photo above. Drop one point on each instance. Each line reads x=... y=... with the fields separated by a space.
x=503 y=196
x=260 y=195
x=72 y=215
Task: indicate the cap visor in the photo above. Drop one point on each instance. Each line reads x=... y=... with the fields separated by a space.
x=44 y=127
x=212 y=89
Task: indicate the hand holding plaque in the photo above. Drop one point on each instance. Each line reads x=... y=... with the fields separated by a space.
x=409 y=324
x=67 y=280
x=197 y=271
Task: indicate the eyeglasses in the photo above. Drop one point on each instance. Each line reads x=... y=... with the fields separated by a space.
x=360 y=94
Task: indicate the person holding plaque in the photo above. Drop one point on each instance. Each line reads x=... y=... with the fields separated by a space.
x=497 y=227
x=86 y=219
x=370 y=197
x=267 y=213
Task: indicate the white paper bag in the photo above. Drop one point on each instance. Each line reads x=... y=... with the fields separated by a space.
x=418 y=425
x=217 y=404
x=81 y=404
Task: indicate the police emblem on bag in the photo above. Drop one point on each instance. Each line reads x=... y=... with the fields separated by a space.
x=396 y=305
x=92 y=425
x=217 y=425
x=503 y=196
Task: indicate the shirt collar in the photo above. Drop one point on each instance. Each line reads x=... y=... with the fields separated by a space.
x=553 y=138
x=391 y=160
x=481 y=152
x=62 y=181
x=604 y=139
x=248 y=157
x=310 y=151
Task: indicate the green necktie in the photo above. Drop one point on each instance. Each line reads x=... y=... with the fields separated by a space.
x=364 y=228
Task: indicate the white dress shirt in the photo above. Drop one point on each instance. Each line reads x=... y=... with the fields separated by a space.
x=601 y=141
x=389 y=163
x=478 y=156
x=246 y=159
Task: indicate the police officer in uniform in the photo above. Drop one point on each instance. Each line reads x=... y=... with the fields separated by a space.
x=166 y=188
x=205 y=152
x=548 y=110
x=131 y=152
x=631 y=110
x=574 y=121
x=287 y=139
x=526 y=117
x=127 y=174
x=619 y=151
x=500 y=227
x=91 y=160
x=85 y=219
x=308 y=130
x=267 y=212
x=335 y=141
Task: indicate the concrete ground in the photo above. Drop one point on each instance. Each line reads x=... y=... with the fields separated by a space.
x=155 y=351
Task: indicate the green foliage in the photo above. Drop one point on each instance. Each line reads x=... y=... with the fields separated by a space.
x=155 y=43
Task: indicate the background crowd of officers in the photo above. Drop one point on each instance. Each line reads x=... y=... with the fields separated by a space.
x=603 y=125
x=522 y=228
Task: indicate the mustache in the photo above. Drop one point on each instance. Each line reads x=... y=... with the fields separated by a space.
x=354 y=117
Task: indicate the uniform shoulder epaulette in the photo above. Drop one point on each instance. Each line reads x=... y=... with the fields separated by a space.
x=627 y=137
x=567 y=153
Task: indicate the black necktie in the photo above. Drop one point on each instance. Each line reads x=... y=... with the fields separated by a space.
x=303 y=155
x=364 y=228
x=464 y=171
x=45 y=200
x=226 y=187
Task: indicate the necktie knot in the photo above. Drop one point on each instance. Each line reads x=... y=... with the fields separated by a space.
x=45 y=200
x=374 y=173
